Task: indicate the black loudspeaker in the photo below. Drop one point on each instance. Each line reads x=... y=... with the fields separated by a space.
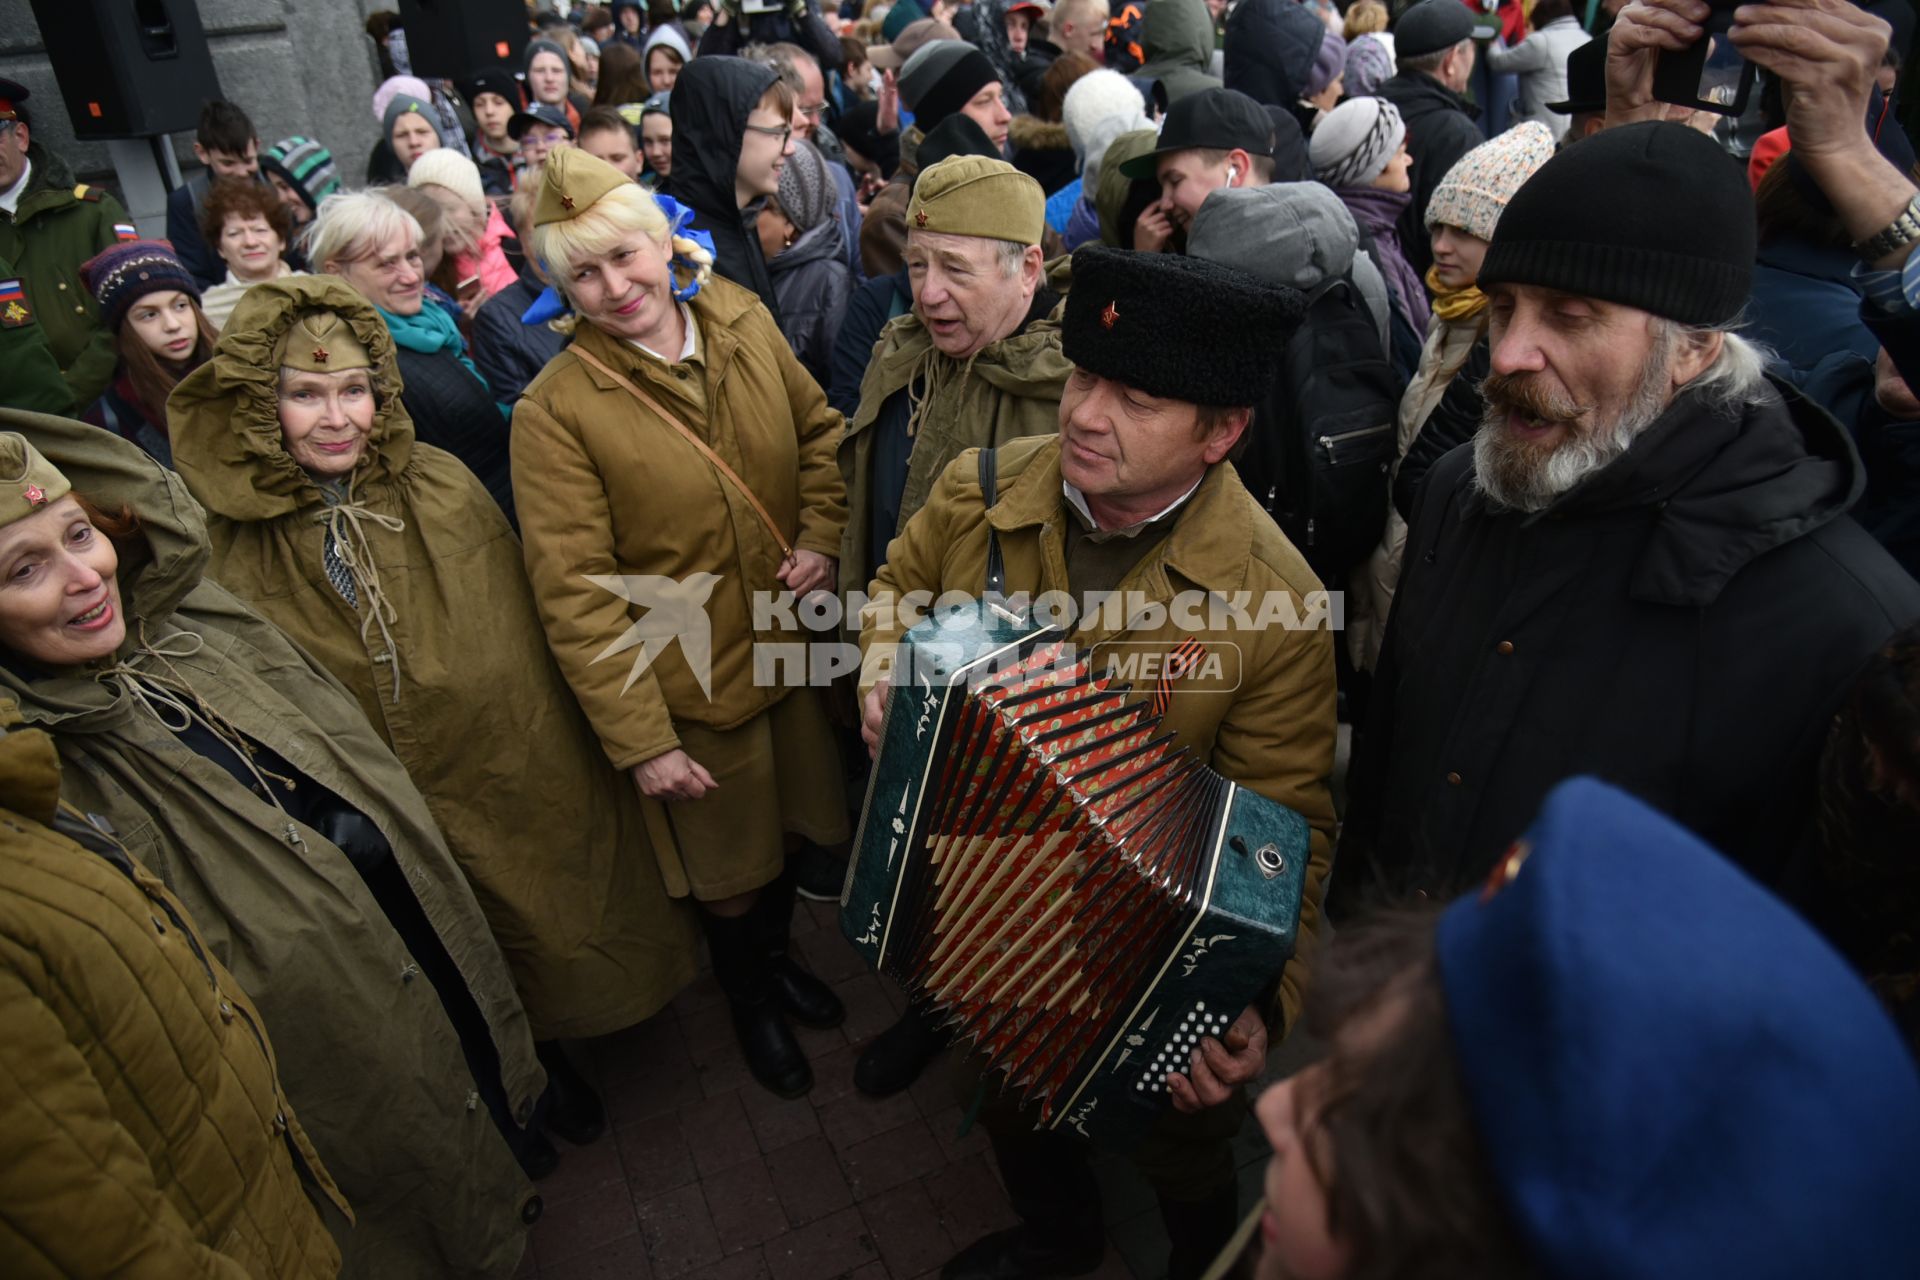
x=128 y=68
x=452 y=39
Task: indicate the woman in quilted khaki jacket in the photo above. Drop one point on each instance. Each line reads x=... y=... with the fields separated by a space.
x=143 y=1130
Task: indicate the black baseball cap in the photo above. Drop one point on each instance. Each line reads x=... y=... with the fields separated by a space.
x=1586 y=78
x=1220 y=119
x=539 y=113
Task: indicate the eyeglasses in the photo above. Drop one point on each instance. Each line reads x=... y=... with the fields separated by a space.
x=388 y=268
x=783 y=132
x=812 y=112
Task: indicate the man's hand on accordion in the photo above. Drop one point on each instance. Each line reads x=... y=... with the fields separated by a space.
x=1220 y=1069
x=672 y=775
x=872 y=712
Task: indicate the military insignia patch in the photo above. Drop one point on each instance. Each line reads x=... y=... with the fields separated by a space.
x=35 y=495
x=126 y=231
x=14 y=310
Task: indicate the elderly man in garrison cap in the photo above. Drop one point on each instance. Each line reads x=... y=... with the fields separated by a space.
x=1136 y=497
x=1641 y=567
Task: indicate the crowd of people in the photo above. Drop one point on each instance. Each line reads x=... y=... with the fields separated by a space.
x=393 y=561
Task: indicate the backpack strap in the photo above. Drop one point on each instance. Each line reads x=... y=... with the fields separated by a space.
x=996 y=564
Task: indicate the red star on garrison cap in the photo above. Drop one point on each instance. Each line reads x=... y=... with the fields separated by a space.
x=920 y=218
x=320 y=355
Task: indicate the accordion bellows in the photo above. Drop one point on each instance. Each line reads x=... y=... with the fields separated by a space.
x=1078 y=897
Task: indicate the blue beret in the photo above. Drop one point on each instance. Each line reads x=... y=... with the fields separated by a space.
x=1671 y=1074
x=1430 y=27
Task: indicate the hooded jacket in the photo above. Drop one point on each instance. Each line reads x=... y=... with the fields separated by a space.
x=1440 y=129
x=1177 y=37
x=711 y=102
x=812 y=281
x=1118 y=199
x=989 y=21
x=1007 y=390
x=593 y=941
x=367 y=1052
x=143 y=1128
x=1682 y=624
x=57 y=226
x=1271 y=45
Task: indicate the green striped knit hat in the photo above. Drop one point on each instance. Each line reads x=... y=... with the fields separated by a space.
x=304 y=165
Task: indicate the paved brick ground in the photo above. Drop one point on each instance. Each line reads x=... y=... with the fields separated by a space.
x=706 y=1176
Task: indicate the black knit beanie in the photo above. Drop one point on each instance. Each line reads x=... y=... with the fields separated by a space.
x=1653 y=216
x=1177 y=327
x=967 y=76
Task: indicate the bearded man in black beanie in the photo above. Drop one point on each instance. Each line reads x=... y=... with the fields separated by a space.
x=1641 y=567
x=1136 y=498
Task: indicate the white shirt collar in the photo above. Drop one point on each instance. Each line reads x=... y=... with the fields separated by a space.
x=1079 y=503
x=687 y=347
x=10 y=198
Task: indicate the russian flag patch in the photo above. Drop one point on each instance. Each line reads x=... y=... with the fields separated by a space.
x=126 y=231
x=14 y=311
x=11 y=291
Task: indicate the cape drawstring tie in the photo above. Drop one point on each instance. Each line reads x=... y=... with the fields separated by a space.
x=172 y=700
x=346 y=523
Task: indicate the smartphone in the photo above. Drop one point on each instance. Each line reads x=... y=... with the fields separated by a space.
x=467 y=288
x=1709 y=76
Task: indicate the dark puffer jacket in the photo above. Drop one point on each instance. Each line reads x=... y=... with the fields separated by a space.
x=510 y=354
x=1683 y=625
x=1271 y=45
x=812 y=281
x=452 y=409
x=711 y=102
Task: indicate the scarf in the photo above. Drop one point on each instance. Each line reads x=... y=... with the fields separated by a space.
x=1379 y=212
x=1453 y=305
x=429 y=331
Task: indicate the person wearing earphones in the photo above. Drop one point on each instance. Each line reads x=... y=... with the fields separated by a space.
x=1212 y=139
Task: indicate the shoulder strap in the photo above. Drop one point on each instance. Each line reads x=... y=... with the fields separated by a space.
x=989 y=493
x=625 y=384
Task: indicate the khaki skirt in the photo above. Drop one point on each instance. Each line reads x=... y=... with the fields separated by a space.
x=777 y=773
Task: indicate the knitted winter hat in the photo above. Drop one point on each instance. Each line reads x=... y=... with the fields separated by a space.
x=941 y=78
x=807 y=194
x=1328 y=64
x=1103 y=103
x=393 y=86
x=304 y=165
x=495 y=80
x=443 y=167
x=1352 y=144
x=546 y=46
x=1175 y=326
x=1478 y=187
x=1675 y=235
x=122 y=274
x=1369 y=64
x=406 y=104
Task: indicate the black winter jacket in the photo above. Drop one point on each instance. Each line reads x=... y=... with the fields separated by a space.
x=1683 y=625
x=453 y=410
x=1271 y=45
x=812 y=281
x=1452 y=423
x=507 y=352
x=1440 y=129
x=710 y=104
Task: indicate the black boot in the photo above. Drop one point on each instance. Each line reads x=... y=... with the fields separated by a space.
x=897 y=1056
x=803 y=997
x=1199 y=1230
x=773 y=1055
x=573 y=1108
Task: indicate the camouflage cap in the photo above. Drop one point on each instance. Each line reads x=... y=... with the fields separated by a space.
x=967 y=195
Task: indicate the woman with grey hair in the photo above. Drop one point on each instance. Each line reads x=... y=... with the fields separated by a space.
x=377 y=247
x=800 y=235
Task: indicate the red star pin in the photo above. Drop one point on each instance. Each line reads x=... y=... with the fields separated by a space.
x=1110 y=316
x=566 y=202
x=920 y=218
x=320 y=355
x=35 y=495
